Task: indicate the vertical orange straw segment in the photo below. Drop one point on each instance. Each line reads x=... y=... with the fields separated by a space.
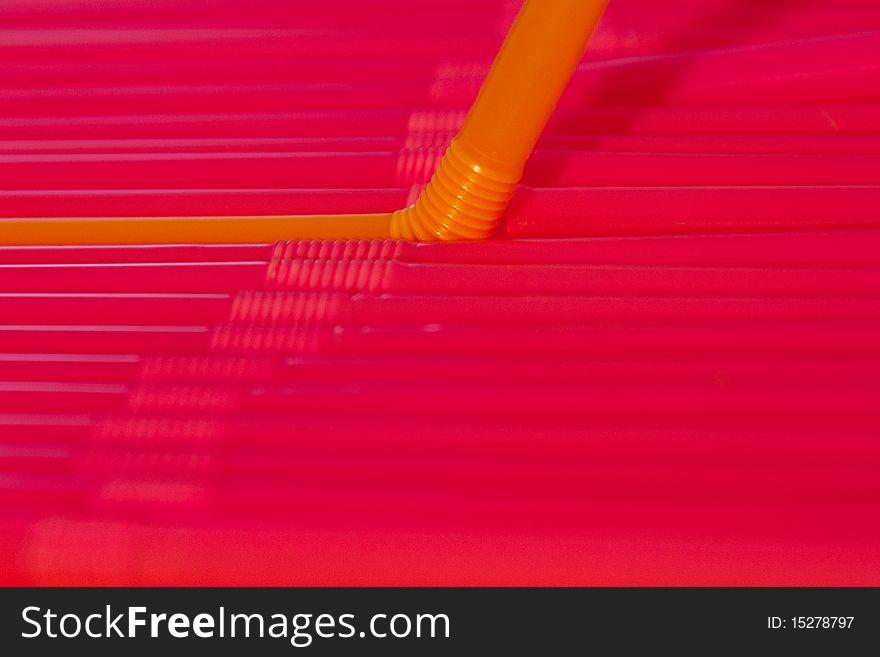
x=475 y=180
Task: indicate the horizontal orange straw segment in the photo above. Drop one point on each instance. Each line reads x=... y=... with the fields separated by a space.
x=191 y=230
x=465 y=198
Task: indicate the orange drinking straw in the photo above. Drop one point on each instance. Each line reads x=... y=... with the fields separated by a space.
x=482 y=166
x=465 y=198
x=190 y=230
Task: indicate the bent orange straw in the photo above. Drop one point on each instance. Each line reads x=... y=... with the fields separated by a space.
x=467 y=195
x=482 y=166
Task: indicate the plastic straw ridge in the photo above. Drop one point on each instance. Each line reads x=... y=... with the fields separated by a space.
x=464 y=200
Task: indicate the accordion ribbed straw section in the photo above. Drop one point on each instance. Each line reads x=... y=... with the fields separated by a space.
x=468 y=194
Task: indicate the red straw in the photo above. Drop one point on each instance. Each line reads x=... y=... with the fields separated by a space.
x=425 y=143
x=829 y=118
x=608 y=211
x=369 y=171
x=203 y=277
x=195 y=202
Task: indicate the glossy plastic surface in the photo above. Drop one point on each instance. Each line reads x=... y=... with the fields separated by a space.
x=681 y=391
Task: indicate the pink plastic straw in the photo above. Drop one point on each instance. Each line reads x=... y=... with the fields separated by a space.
x=780 y=341
x=609 y=210
x=558 y=168
x=196 y=202
x=828 y=118
x=132 y=309
x=830 y=144
x=398 y=309
x=842 y=248
x=202 y=277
